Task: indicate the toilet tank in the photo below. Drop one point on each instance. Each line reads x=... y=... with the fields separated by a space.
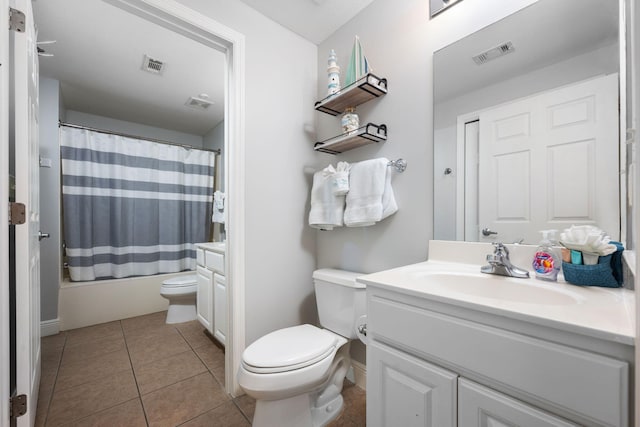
x=340 y=300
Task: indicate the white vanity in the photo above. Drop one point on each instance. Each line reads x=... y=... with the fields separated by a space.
x=211 y=301
x=450 y=346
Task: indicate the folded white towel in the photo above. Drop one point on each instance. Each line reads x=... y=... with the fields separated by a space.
x=218 y=207
x=370 y=197
x=327 y=209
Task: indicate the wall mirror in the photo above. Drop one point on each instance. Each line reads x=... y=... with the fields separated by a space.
x=527 y=125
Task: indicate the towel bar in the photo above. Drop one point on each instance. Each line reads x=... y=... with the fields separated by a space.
x=399 y=164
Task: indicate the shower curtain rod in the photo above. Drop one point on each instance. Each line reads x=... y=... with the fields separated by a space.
x=108 y=132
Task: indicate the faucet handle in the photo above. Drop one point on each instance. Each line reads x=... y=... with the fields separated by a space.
x=500 y=249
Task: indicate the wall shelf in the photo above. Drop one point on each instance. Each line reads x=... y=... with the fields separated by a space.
x=359 y=92
x=365 y=135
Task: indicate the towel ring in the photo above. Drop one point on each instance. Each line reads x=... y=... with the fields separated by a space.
x=400 y=164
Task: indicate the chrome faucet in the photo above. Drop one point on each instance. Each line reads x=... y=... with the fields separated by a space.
x=500 y=264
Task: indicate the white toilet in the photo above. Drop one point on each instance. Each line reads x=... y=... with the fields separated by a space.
x=296 y=374
x=181 y=293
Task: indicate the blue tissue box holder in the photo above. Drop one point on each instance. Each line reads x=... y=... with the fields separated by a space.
x=606 y=273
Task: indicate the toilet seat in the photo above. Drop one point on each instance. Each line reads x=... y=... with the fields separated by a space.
x=180 y=281
x=289 y=349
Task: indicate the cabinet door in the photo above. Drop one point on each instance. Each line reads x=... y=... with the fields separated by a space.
x=481 y=406
x=204 y=297
x=405 y=391
x=220 y=311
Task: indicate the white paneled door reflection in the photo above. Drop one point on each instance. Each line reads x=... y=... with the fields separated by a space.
x=549 y=161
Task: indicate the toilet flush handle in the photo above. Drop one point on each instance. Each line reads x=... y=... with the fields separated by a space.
x=363 y=329
x=42 y=235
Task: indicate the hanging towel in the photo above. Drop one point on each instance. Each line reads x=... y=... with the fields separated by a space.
x=341 y=179
x=218 y=207
x=327 y=209
x=370 y=198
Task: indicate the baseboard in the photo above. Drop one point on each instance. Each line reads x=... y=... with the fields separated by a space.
x=360 y=374
x=49 y=327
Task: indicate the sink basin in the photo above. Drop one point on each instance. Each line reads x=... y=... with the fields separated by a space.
x=527 y=291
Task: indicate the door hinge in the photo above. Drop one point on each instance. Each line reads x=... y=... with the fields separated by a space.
x=17 y=213
x=18 y=406
x=17 y=20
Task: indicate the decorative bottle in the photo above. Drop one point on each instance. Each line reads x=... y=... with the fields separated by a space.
x=333 y=71
x=350 y=121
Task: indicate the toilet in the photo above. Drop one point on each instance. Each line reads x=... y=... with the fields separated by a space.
x=181 y=293
x=296 y=374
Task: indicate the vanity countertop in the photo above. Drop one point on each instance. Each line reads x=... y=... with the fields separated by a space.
x=212 y=246
x=603 y=313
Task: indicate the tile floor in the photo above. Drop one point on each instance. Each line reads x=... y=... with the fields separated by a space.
x=143 y=372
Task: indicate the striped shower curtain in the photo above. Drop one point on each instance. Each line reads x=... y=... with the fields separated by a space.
x=132 y=207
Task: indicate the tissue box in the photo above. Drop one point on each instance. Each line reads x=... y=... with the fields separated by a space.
x=607 y=273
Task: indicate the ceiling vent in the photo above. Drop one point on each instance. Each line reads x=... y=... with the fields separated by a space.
x=494 y=53
x=200 y=102
x=152 y=66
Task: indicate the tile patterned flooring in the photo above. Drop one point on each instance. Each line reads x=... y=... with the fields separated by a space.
x=143 y=372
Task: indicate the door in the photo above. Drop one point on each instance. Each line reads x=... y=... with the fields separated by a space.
x=481 y=406
x=27 y=251
x=549 y=161
x=409 y=392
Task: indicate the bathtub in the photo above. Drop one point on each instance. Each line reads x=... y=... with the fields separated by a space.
x=89 y=303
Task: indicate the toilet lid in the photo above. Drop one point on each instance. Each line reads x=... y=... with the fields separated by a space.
x=290 y=348
x=180 y=281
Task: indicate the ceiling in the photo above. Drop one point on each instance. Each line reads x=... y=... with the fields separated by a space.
x=315 y=20
x=100 y=48
x=550 y=39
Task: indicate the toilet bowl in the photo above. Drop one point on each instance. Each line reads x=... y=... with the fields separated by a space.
x=181 y=293
x=296 y=374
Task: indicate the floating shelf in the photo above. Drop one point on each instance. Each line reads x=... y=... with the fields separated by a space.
x=359 y=92
x=348 y=141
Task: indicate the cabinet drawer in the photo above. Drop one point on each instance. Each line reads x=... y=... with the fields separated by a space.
x=481 y=406
x=200 y=257
x=214 y=261
x=589 y=385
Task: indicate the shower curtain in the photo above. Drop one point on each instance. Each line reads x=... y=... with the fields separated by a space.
x=132 y=207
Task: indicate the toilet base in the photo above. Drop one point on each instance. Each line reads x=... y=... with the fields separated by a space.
x=296 y=411
x=314 y=409
x=179 y=313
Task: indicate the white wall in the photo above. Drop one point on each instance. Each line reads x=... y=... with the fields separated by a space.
x=50 y=264
x=214 y=140
x=131 y=128
x=398 y=39
x=604 y=60
x=280 y=78
x=444 y=186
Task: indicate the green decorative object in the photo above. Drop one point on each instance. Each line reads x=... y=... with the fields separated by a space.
x=358 y=64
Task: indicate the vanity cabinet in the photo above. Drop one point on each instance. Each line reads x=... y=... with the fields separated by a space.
x=220 y=310
x=407 y=391
x=434 y=363
x=481 y=406
x=204 y=297
x=211 y=299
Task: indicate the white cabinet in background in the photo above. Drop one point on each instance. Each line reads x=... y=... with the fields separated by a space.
x=220 y=311
x=204 y=297
x=212 y=296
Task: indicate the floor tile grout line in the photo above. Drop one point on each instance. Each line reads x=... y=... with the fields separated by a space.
x=135 y=378
x=55 y=379
x=246 y=417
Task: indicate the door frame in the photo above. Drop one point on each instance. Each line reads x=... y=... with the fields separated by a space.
x=4 y=216
x=178 y=18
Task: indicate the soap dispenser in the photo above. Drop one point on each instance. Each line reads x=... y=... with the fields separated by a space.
x=546 y=261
